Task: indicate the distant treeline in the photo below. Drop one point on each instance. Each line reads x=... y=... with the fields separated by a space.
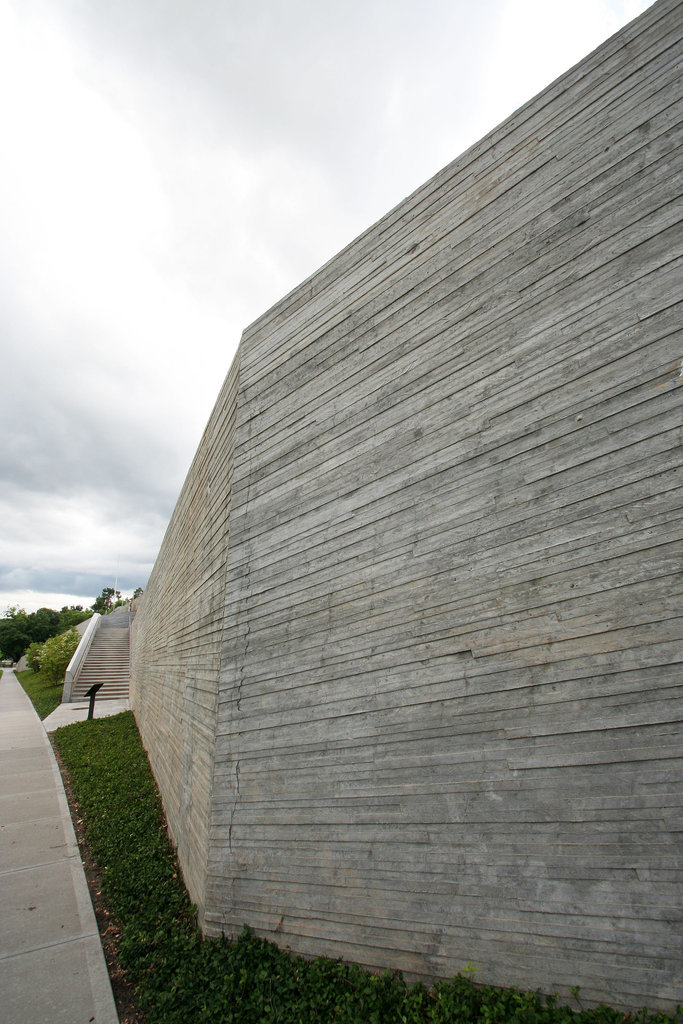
x=18 y=628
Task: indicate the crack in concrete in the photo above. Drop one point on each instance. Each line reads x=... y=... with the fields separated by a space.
x=234 y=805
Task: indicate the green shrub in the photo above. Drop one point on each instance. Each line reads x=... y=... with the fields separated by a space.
x=34 y=654
x=56 y=654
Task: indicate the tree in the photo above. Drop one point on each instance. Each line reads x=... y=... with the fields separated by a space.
x=72 y=615
x=43 y=624
x=15 y=635
x=104 y=602
x=137 y=592
x=18 y=630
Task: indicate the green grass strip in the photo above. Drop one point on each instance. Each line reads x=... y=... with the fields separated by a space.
x=43 y=693
x=182 y=978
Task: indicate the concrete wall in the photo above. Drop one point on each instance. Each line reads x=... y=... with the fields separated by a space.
x=441 y=653
x=177 y=633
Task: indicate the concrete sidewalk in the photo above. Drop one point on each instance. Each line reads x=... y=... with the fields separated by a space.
x=77 y=711
x=52 y=967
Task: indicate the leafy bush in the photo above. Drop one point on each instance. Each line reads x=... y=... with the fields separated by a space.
x=52 y=657
x=182 y=978
x=56 y=654
x=34 y=654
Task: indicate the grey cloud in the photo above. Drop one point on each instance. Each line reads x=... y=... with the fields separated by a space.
x=66 y=448
x=335 y=110
x=68 y=582
x=317 y=78
x=78 y=426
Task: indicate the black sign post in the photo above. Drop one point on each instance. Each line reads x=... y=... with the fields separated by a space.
x=92 y=692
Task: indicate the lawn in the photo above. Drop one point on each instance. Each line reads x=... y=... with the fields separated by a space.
x=45 y=695
x=182 y=978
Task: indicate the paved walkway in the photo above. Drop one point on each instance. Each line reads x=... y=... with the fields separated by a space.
x=77 y=711
x=52 y=967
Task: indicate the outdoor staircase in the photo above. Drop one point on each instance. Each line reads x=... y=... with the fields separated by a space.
x=107 y=660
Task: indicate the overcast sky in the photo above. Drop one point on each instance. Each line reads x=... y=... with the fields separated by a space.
x=169 y=169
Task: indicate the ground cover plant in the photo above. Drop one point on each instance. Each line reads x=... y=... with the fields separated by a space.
x=182 y=978
x=44 y=693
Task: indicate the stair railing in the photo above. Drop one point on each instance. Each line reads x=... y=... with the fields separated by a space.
x=131 y=616
x=76 y=663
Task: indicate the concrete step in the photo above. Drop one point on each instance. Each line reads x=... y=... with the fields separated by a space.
x=109 y=691
x=107 y=661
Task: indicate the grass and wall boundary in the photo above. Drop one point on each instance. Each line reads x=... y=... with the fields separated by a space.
x=182 y=978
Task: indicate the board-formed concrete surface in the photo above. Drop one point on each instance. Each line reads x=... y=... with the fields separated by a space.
x=408 y=664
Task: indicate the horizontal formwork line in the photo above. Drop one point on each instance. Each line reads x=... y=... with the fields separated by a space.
x=461 y=704
x=383 y=766
x=404 y=687
x=253 y=811
x=362 y=596
x=440 y=397
x=547 y=905
x=303 y=774
x=597 y=927
x=503 y=755
x=436 y=871
x=455 y=547
x=348 y=443
x=390 y=418
x=259 y=839
x=626 y=330
x=381 y=757
x=475 y=427
x=311 y=817
x=486 y=469
x=379 y=740
x=371 y=319
x=384 y=240
x=436 y=318
x=481 y=638
x=447 y=632
x=476 y=424
x=522 y=512
x=371 y=325
x=364 y=777
x=381 y=750
x=415 y=885
x=456 y=456
x=566 y=664
x=457 y=537
x=538 y=922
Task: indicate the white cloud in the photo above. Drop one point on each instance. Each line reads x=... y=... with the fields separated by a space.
x=535 y=41
x=32 y=600
x=171 y=170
